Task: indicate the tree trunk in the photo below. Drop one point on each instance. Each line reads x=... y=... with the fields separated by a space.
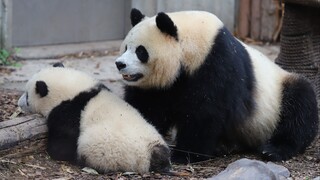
x=244 y=17
x=255 y=19
x=300 y=42
x=20 y=129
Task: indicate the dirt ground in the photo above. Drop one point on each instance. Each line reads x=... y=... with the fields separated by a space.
x=29 y=160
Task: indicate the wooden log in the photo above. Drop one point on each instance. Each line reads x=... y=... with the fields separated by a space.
x=19 y=129
x=255 y=19
x=269 y=17
x=244 y=19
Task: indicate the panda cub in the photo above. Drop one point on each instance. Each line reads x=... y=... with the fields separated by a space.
x=90 y=126
x=185 y=71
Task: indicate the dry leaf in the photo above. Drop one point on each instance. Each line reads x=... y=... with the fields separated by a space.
x=90 y=170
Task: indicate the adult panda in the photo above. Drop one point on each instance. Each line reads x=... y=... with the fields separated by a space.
x=90 y=126
x=185 y=71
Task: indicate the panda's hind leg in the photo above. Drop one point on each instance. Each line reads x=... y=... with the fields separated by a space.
x=298 y=124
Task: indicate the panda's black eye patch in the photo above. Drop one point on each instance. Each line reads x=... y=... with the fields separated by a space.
x=27 y=98
x=58 y=64
x=41 y=88
x=125 y=48
x=142 y=54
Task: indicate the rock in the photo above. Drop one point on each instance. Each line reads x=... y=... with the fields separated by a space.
x=277 y=169
x=253 y=169
x=317 y=178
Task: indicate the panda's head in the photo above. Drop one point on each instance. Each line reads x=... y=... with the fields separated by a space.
x=150 y=54
x=51 y=86
x=158 y=48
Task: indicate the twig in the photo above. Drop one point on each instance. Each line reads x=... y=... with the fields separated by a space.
x=202 y=167
x=35 y=166
x=22 y=173
x=16 y=113
x=7 y=161
x=28 y=165
x=200 y=162
x=24 y=153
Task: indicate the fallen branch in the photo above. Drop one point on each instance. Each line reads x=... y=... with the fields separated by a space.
x=25 y=152
x=19 y=129
x=28 y=165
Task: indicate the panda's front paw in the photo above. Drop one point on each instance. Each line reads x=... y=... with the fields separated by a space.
x=271 y=153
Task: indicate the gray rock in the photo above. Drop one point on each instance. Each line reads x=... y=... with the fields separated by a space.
x=317 y=178
x=252 y=169
x=277 y=169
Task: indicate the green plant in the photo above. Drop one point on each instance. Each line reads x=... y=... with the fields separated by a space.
x=6 y=58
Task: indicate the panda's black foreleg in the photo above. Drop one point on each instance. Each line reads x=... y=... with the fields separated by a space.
x=195 y=142
x=298 y=124
x=62 y=149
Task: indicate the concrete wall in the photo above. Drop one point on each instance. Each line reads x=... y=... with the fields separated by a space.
x=38 y=22
x=5 y=23
x=45 y=22
x=224 y=9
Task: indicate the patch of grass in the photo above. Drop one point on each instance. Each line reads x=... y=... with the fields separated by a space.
x=6 y=58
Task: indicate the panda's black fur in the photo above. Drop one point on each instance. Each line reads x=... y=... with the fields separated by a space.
x=64 y=126
x=188 y=95
x=208 y=107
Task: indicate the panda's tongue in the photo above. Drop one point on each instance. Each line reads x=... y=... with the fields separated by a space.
x=127 y=77
x=132 y=77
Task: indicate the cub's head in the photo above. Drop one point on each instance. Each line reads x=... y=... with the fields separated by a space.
x=51 y=86
x=150 y=53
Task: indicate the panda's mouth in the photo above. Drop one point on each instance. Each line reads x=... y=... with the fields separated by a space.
x=132 y=77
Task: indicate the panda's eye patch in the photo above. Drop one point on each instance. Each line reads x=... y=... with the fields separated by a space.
x=142 y=54
x=41 y=88
x=27 y=98
x=125 y=48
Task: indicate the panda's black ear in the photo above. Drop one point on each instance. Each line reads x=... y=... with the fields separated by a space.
x=41 y=88
x=58 y=64
x=136 y=16
x=166 y=25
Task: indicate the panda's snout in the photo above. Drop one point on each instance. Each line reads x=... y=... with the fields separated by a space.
x=120 y=65
x=23 y=103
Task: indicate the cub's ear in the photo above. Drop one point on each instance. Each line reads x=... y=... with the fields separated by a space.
x=136 y=16
x=41 y=88
x=58 y=64
x=166 y=25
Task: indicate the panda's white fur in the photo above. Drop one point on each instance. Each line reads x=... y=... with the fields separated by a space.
x=114 y=128
x=113 y=136
x=269 y=79
x=192 y=74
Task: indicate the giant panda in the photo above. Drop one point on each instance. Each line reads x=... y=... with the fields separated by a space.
x=187 y=74
x=90 y=126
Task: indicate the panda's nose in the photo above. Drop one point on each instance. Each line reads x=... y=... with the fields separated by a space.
x=120 y=65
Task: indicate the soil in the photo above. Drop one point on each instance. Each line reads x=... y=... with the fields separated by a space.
x=29 y=160
x=8 y=104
